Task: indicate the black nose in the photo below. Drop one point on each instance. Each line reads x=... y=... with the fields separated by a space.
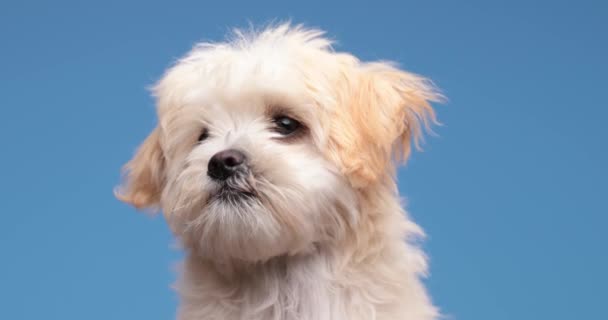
x=225 y=163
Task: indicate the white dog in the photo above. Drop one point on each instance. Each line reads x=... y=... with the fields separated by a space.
x=273 y=163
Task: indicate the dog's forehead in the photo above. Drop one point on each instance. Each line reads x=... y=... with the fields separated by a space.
x=250 y=87
x=279 y=70
x=246 y=75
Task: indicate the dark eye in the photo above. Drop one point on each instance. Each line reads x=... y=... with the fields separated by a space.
x=286 y=125
x=204 y=135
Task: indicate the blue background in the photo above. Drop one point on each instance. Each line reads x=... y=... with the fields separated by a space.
x=512 y=191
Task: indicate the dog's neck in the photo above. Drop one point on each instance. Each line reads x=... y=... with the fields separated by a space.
x=239 y=270
x=297 y=281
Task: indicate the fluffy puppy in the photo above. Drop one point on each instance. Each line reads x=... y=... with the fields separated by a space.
x=273 y=163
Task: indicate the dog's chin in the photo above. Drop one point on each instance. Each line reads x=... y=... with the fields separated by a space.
x=248 y=218
x=235 y=225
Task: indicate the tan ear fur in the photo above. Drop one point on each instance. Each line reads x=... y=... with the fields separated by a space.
x=144 y=174
x=384 y=110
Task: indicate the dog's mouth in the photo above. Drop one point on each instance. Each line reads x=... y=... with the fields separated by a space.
x=228 y=193
x=236 y=189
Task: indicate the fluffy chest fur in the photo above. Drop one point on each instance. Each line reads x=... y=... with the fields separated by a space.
x=319 y=286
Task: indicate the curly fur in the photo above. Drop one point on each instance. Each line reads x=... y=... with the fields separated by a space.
x=323 y=235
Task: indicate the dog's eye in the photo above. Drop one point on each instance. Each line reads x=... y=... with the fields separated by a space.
x=286 y=125
x=204 y=135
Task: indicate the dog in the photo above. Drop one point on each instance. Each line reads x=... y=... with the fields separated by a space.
x=274 y=163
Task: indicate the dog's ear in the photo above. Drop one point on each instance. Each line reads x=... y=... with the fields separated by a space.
x=144 y=174
x=384 y=111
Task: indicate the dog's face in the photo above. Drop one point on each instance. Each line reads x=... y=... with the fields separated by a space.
x=245 y=178
x=265 y=145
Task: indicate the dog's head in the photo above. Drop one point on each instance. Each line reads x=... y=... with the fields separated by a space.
x=266 y=143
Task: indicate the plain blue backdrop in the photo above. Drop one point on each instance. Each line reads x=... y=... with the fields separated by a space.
x=512 y=191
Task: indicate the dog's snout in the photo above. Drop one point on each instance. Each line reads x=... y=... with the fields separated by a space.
x=225 y=163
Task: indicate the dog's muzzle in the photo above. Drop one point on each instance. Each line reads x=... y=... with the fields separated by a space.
x=229 y=170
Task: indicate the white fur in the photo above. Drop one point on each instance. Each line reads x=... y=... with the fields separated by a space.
x=318 y=242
